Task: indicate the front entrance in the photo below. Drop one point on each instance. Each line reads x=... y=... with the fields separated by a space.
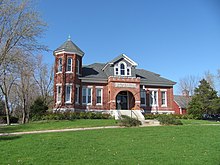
x=124 y=100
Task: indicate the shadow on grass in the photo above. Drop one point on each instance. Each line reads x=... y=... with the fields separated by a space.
x=9 y=137
x=12 y=128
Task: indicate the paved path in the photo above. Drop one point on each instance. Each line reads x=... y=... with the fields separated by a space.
x=68 y=130
x=58 y=130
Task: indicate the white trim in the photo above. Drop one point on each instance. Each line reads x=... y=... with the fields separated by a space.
x=71 y=65
x=164 y=105
x=70 y=94
x=78 y=66
x=73 y=52
x=59 y=84
x=59 y=95
x=101 y=96
x=86 y=88
x=153 y=89
x=78 y=92
x=99 y=87
x=129 y=60
x=153 y=96
x=163 y=90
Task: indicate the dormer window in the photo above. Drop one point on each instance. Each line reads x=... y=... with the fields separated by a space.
x=121 y=69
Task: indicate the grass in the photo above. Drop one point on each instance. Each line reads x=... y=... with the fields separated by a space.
x=167 y=145
x=196 y=122
x=62 y=124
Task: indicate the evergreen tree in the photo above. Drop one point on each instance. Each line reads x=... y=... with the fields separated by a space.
x=204 y=101
x=38 y=108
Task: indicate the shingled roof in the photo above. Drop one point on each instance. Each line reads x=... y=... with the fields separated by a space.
x=150 y=78
x=182 y=101
x=69 y=46
x=95 y=71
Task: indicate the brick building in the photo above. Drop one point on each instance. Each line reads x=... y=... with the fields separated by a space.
x=115 y=85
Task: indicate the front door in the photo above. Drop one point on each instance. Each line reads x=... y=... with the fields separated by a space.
x=122 y=100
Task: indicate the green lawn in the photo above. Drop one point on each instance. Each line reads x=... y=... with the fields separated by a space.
x=197 y=122
x=164 y=145
x=45 y=125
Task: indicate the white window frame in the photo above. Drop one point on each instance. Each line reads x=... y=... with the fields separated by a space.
x=87 y=96
x=118 y=67
x=70 y=94
x=143 y=93
x=67 y=65
x=77 y=94
x=60 y=65
x=152 y=96
x=59 y=95
x=77 y=66
x=99 y=88
x=163 y=91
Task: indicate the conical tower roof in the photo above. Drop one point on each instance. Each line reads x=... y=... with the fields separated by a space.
x=69 y=47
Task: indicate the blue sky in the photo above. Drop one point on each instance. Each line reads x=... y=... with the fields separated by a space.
x=174 y=38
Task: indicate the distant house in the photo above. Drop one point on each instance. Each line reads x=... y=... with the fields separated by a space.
x=114 y=85
x=181 y=102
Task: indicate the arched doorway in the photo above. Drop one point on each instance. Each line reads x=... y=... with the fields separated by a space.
x=125 y=100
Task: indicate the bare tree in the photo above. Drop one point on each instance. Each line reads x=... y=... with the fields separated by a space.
x=20 y=26
x=44 y=79
x=188 y=83
x=210 y=78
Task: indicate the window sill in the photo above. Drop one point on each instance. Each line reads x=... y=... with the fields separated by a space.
x=99 y=104
x=69 y=72
x=59 y=73
x=163 y=105
x=68 y=102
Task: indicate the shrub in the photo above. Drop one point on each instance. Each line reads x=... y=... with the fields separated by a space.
x=3 y=119
x=168 y=120
x=38 y=108
x=129 y=122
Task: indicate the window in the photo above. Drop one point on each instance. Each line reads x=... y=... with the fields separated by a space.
x=69 y=64
x=59 y=69
x=68 y=93
x=128 y=71
x=77 y=94
x=59 y=93
x=77 y=66
x=153 y=98
x=122 y=69
x=163 y=98
x=143 y=97
x=116 y=71
x=99 y=96
x=87 y=95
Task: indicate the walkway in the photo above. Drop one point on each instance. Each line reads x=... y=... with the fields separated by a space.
x=69 y=129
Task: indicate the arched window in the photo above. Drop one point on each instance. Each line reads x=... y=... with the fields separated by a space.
x=122 y=69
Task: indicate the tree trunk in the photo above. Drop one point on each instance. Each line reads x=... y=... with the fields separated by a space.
x=7 y=111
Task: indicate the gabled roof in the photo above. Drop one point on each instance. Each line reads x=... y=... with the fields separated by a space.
x=182 y=101
x=69 y=47
x=150 y=78
x=95 y=71
x=121 y=56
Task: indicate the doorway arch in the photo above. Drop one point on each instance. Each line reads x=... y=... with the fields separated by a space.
x=125 y=100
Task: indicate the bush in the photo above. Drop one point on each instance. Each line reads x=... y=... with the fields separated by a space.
x=169 y=120
x=38 y=108
x=3 y=119
x=71 y=116
x=128 y=121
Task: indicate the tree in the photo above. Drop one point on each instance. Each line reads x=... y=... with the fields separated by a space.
x=20 y=26
x=188 y=83
x=38 y=108
x=204 y=101
x=44 y=79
